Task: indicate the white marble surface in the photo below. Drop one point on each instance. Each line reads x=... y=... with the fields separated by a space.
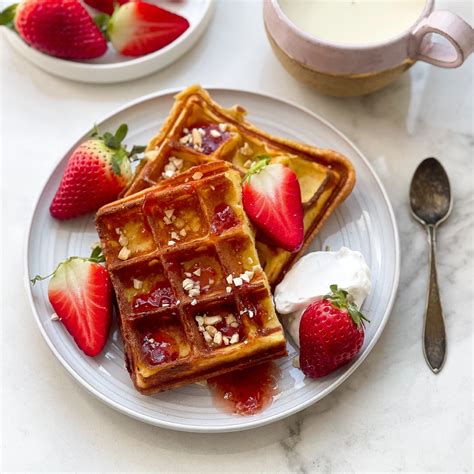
x=393 y=414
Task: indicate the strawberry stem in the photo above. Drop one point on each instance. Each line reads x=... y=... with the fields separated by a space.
x=341 y=299
x=96 y=256
x=262 y=162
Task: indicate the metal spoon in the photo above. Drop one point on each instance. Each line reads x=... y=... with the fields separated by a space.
x=431 y=203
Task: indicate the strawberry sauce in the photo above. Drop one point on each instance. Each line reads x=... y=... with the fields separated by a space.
x=157 y=349
x=246 y=392
x=159 y=295
x=224 y=218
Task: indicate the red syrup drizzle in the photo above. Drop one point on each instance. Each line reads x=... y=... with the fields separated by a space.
x=161 y=293
x=209 y=143
x=246 y=392
x=224 y=218
x=157 y=348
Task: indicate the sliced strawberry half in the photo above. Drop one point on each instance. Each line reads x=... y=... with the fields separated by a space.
x=80 y=293
x=139 y=28
x=271 y=196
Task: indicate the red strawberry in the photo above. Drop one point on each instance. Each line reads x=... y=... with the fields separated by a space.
x=61 y=28
x=105 y=6
x=272 y=199
x=331 y=333
x=139 y=28
x=96 y=172
x=80 y=293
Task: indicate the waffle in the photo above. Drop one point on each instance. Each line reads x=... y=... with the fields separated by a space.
x=200 y=131
x=193 y=299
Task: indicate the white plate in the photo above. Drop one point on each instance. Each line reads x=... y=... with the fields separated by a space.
x=364 y=222
x=113 y=67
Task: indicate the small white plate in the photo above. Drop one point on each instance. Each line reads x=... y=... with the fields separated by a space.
x=364 y=222
x=113 y=67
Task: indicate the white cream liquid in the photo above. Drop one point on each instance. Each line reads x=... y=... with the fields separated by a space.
x=353 y=22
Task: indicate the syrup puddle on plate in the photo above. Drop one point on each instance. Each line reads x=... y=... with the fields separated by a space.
x=246 y=392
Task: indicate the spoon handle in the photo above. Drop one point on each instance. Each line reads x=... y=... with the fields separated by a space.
x=434 y=332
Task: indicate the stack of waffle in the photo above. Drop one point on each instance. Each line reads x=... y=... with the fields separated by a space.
x=193 y=298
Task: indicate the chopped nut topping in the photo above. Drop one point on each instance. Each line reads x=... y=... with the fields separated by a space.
x=188 y=284
x=183 y=232
x=188 y=274
x=166 y=220
x=197 y=175
x=234 y=325
x=194 y=292
x=123 y=241
x=229 y=319
x=225 y=340
x=169 y=213
x=175 y=236
x=197 y=272
x=215 y=134
x=171 y=243
x=54 y=317
x=229 y=279
x=245 y=278
x=194 y=302
x=137 y=284
x=218 y=338
x=246 y=150
x=222 y=127
x=250 y=314
x=186 y=139
x=238 y=281
x=235 y=338
x=199 y=320
x=124 y=253
x=212 y=320
x=228 y=289
x=197 y=137
x=118 y=230
x=207 y=337
x=186 y=130
x=164 y=305
x=211 y=330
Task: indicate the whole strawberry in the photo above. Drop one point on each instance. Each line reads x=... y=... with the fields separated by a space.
x=80 y=293
x=331 y=333
x=97 y=171
x=61 y=28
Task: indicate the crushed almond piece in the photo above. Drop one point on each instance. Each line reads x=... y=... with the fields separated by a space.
x=137 y=284
x=199 y=320
x=211 y=330
x=118 y=230
x=186 y=130
x=123 y=241
x=218 y=338
x=207 y=337
x=229 y=279
x=215 y=134
x=194 y=302
x=235 y=338
x=171 y=243
x=175 y=236
x=169 y=213
x=183 y=232
x=238 y=281
x=197 y=272
x=197 y=137
x=228 y=289
x=166 y=220
x=188 y=274
x=250 y=314
x=197 y=175
x=54 y=317
x=212 y=320
x=222 y=127
x=245 y=278
x=193 y=292
x=234 y=325
x=246 y=150
x=225 y=340
x=185 y=139
x=124 y=253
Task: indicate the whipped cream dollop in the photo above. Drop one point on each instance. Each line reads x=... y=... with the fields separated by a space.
x=310 y=278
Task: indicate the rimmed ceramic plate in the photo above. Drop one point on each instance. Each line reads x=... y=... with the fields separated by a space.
x=113 y=67
x=364 y=222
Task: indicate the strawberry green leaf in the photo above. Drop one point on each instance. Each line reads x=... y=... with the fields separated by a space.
x=7 y=16
x=95 y=131
x=116 y=162
x=97 y=255
x=102 y=21
x=341 y=299
x=121 y=132
x=262 y=162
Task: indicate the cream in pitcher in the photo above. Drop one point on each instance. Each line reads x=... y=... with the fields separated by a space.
x=354 y=22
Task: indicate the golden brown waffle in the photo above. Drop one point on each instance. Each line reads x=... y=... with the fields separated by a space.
x=194 y=301
x=198 y=131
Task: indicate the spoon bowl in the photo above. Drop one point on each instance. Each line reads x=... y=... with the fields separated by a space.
x=430 y=193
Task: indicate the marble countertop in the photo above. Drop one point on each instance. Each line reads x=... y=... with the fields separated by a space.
x=393 y=414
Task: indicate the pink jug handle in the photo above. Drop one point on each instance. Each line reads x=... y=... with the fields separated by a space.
x=459 y=33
